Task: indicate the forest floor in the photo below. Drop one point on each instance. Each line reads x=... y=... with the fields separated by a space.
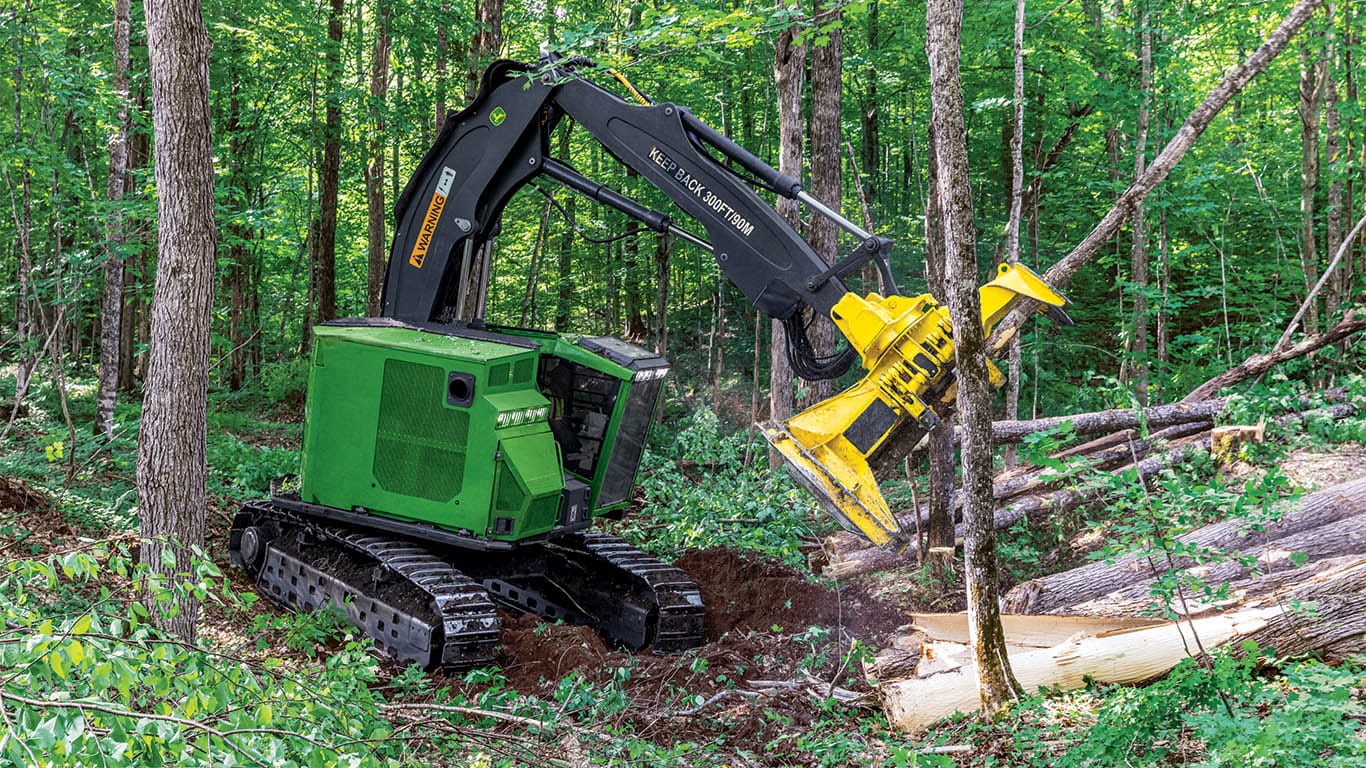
x=779 y=680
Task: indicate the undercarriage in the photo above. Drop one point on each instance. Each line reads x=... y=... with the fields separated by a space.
x=430 y=597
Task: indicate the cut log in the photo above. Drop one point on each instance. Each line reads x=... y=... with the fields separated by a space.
x=1335 y=628
x=1053 y=594
x=1251 y=586
x=1111 y=421
x=873 y=558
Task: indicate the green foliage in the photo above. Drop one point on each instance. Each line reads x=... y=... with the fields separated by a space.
x=92 y=683
x=708 y=489
x=1239 y=718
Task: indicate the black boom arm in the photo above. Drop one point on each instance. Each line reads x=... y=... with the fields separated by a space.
x=452 y=207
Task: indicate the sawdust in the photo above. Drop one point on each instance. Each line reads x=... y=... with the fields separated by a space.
x=1316 y=469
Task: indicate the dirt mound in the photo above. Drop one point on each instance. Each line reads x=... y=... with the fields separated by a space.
x=17 y=496
x=536 y=653
x=753 y=593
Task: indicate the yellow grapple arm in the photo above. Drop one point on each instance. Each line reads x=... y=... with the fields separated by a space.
x=906 y=345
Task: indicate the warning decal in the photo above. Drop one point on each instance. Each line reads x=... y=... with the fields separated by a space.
x=434 y=208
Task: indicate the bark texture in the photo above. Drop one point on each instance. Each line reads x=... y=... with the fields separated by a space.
x=111 y=320
x=324 y=240
x=827 y=181
x=789 y=74
x=376 y=239
x=996 y=684
x=171 y=469
x=1055 y=593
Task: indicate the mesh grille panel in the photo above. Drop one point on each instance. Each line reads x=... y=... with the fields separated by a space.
x=522 y=373
x=498 y=374
x=419 y=443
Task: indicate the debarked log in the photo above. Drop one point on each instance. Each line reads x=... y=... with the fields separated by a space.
x=1324 y=615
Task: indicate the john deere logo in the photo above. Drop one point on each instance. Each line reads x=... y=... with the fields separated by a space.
x=497 y=116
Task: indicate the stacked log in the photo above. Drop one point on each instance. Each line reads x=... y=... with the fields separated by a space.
x=1038 y=492
x=1297 y=585
x=1326 y=524
x=1087 y=650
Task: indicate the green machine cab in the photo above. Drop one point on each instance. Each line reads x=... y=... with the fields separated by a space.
x=504 y=434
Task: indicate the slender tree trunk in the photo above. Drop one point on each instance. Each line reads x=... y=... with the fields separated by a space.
x=1332 y=145
x=376 y=239
x=663 y=248
x=789 y=72
x=324 y=241
x=1138 y=256
x=485 y=45
x=1350 y=43
x=939 y=525
x=1016 y=209
x=23 y=225
x=826 y=177
x=1311 y=92
x=240 y=150
x=996 y=684
x=171 y=469
x=564 y=280
x=110 y=316
x=442 y=55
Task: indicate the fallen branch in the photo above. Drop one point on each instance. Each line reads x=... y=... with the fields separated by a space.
x=1261 y=363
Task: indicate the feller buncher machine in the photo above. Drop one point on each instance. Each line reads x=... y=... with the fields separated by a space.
x=451 y=465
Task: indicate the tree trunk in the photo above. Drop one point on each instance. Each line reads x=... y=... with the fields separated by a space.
x=1332 y=134
x=826 y=177
x=1138 y=255
x=663 y=247
x=1311 y=92
x=111 y=320
x=995 y=683
x=442 y=56
x=564 y=290
x=376 y=240
x=789 y=72
x=1162 y=165
x=1016 y=208
x=23 y=225
x=171 y=469
x=240 y=150
x=324 y=240
x=485 y=45
x=939 y=526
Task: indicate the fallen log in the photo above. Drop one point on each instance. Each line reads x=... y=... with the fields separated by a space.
x=1111 y=421
x=1055 y=593
x=1249 y=588
x=1115 y=421
x=1335 y=629
x=1016 y=483
x=1261 y=363
x=862 y=561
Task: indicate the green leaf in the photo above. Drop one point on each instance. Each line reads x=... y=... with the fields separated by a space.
x=82 y=624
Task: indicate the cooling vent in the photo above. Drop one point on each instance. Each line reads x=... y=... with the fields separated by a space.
x=419 y=443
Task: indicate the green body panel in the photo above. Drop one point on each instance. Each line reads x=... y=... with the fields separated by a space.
x=382 y=433
x=564 y=347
